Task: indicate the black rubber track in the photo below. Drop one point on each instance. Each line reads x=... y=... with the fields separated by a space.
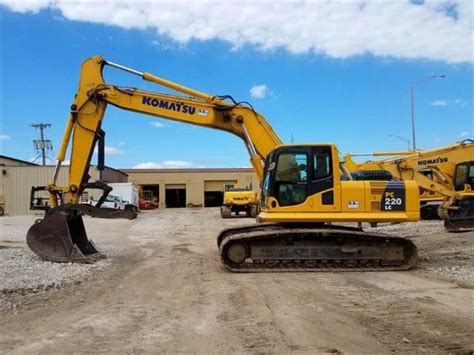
x=248 y=234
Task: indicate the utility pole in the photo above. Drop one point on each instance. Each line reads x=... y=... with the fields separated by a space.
x=413 y=85
x=42 y=144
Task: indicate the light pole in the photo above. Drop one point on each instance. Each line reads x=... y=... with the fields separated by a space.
x=413 y=85
x=407 y=141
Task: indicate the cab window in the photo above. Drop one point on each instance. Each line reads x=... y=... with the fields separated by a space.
x=470 y=177
x=460 y=178
x=264 y=188
x=291 y=178
x=291 y=167
x=322 y=164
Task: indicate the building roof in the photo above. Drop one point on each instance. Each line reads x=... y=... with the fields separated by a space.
x=121 y=171
x=23 y=162
x=17 y=160
x=190 y=170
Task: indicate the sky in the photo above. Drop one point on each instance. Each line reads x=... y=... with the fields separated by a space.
x=320 y=72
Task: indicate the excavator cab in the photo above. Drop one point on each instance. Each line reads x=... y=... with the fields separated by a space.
x=303 y=184
x=290 y=178
x=458 y=218
x=464 y=176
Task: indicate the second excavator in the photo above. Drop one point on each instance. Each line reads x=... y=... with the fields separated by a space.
x=239 y=199
x=445 y=176
x=302 y=190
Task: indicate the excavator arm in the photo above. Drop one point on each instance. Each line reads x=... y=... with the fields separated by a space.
x=93 y=96
x=61 y=235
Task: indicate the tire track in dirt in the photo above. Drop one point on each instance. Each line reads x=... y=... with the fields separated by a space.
x=401 y=323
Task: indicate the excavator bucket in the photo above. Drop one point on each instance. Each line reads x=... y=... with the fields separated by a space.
x=61 y=237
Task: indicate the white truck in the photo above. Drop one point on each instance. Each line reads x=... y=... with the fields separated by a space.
x=116 y=202
x=128 y=192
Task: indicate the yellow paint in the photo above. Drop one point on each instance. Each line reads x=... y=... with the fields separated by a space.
x=240 y=198
x=439 y=162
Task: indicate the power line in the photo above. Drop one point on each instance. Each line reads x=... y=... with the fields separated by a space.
x=42 y=145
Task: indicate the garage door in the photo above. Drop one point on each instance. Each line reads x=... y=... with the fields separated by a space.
x=175 y=186
x=217 y=185
x=175 y=195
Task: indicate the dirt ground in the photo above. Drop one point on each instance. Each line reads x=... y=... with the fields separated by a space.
x=163 y=289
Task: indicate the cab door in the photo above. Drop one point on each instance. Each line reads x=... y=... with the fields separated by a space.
x=305 y=174
x=322 y=177
x=290 y=182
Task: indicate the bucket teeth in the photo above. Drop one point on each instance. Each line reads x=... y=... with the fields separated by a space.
x=61 y=237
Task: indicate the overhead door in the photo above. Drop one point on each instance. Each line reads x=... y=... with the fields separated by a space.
x=214 y=191
x=175 y=186
x=217 y=185
x=175 y=195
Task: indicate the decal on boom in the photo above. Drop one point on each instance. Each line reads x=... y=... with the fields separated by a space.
x=172 y=106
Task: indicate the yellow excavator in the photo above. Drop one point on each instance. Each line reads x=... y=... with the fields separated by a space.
x=302 y=192
x=239 y=199
x=445 y=176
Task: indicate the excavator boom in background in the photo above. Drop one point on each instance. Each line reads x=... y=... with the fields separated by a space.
x=445 y=176
x=302 y=191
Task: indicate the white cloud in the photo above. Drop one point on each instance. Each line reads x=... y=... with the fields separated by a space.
x=459 y=102
x=259 y=91
x=4 y=137
x=157 y=124
x=109 y=150
x=436 y=30
x=440 y=103
x=176 y=164
x=26 y=6
x=148 y=165
x=168 y=164
x=456 y=102
x=464 y=134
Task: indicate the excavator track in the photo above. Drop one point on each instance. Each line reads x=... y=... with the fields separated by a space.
x=277 y=248
x=460 y=218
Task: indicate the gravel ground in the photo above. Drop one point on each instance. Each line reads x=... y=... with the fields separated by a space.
x=410 y=229
x=447 y=255
x=162 y=288
x=21 y=271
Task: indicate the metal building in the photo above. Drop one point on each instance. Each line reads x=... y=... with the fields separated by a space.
x=170 y=187
x=17 y=177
